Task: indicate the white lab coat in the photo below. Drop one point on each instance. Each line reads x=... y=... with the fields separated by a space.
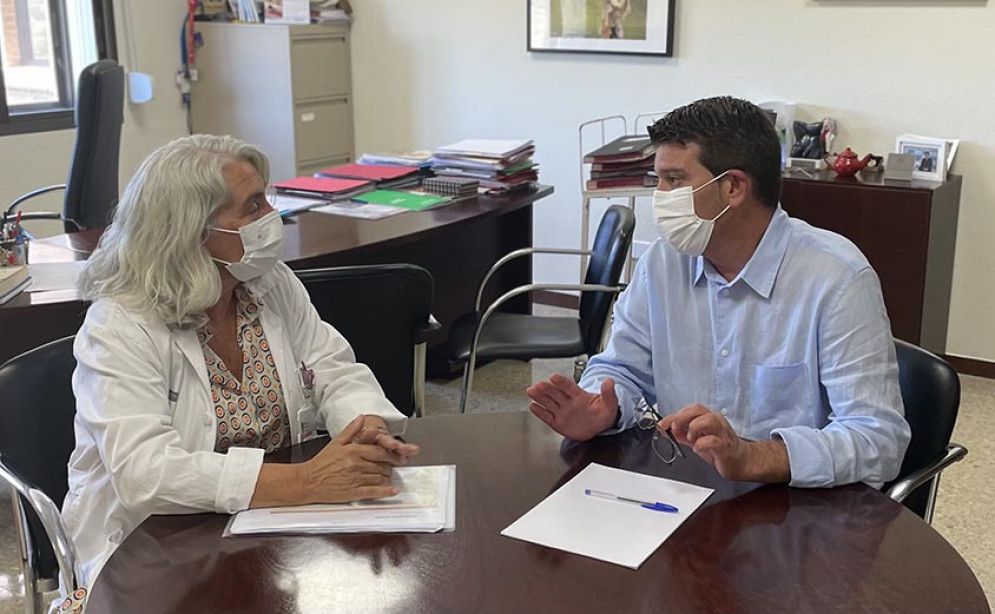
x=145 y=425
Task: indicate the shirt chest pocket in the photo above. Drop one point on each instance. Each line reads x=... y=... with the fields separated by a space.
x=779 y=397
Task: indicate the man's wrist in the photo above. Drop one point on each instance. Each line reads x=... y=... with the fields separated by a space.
x=766 y=461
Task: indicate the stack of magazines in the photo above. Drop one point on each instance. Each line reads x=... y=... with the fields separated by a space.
x=499 y=165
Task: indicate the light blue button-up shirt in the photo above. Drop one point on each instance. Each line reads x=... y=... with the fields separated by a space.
x=798 y=347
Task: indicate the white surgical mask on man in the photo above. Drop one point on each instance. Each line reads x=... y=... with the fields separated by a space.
x=677 y=221
x=262 y=246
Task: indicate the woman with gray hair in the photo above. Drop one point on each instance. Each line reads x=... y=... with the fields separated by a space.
x=201 y=352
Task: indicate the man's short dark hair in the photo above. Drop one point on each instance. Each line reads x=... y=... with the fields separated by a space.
x=730 y=134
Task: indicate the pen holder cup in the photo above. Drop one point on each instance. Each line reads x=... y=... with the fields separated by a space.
x=13 y=252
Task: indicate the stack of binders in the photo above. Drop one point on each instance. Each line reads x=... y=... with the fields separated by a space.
x=325 y=188
x=384 y=177
x=499 y=165
x=626 y=162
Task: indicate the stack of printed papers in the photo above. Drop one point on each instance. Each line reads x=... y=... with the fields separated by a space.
x=420 y=159
x=426 y=504
x=499 y=165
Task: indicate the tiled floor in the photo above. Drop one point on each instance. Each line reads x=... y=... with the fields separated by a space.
x=967 y=493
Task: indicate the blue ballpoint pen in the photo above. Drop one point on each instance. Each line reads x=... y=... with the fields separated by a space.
x=656 y=507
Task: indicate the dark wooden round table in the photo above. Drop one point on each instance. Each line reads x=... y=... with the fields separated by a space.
x=748 y=549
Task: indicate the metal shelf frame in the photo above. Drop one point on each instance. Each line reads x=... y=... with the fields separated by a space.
x=607 y=128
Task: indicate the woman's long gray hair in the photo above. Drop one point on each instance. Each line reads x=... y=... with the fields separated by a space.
x=152 y=258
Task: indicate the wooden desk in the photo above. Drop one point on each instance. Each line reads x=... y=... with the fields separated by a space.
x=908 y=232
x=751 y=549
x=457 y=243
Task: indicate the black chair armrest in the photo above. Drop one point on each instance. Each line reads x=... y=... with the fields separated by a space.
x=904 y=487
x=423 y=330
x=26 y=197
x=518 y=253
x=38 y=215
x=41 y=215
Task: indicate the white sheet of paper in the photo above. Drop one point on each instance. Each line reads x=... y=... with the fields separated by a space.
x=426 y=504
x=47 y=276
x=613 y=531
x=287 y=203
x=364 y=211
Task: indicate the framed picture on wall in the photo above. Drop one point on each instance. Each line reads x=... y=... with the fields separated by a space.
x=633 y=27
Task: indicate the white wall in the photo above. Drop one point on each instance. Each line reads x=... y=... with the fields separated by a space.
x=33 y=160
x=426 y=73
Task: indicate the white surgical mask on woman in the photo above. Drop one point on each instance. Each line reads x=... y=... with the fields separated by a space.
x=262 y=246
x=677 y=221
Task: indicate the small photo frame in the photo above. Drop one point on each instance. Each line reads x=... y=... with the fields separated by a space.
x=634 y=27
x=930 y=156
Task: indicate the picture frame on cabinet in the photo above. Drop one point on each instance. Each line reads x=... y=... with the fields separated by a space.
x=930 y=156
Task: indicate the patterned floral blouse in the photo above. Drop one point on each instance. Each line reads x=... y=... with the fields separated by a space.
x=250 y=414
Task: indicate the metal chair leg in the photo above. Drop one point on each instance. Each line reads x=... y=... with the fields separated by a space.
x=34 y=602
x=934 y=488
x=467 y=383
x=418 y=387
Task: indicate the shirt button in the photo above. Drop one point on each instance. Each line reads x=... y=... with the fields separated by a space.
x=724 y=411
x=724 y=353
x=724 y=292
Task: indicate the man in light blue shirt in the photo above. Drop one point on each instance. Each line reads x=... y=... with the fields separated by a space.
x=763 y=341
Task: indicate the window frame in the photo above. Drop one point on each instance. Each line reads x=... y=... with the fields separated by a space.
x=48 y=117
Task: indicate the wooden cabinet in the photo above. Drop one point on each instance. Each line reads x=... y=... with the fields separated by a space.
x=906 y=230
x=287 y=89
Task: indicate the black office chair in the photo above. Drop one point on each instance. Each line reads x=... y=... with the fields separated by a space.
x=37 y=408
x=384 y=311
x=931 y=394
x=491 y=335
x=92 y=185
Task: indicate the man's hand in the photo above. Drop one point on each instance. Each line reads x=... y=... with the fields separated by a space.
x=570 y=410
x=713 y=439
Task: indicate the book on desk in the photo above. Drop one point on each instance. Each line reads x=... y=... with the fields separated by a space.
x=13 y=279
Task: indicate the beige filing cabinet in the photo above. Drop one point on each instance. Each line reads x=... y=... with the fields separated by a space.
x=287 y=89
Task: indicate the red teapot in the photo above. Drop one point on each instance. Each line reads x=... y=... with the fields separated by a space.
x=846 y=163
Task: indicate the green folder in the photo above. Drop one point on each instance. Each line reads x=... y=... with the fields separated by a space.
x=406 y=200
